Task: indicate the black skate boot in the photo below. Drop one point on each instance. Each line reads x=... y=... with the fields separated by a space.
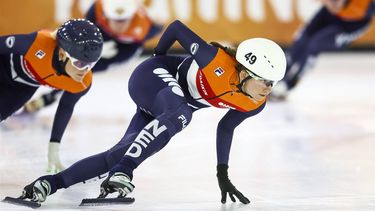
x=118 y=182
x=41 y=190
x=121 y=183
x=32 y=194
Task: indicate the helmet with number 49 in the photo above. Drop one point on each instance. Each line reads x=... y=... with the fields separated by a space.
x=262 y=57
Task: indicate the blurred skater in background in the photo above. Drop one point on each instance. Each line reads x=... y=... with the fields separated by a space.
x=125 y=26
x=334 y=27
x=61 y=59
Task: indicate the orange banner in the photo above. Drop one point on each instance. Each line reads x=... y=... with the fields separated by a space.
x=215 y=20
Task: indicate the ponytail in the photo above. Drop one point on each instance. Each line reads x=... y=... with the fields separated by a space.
x=230 y=51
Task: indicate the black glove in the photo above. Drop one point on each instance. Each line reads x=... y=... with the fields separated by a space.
x=227 y=187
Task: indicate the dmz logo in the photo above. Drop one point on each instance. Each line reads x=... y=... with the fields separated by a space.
x=144 y=138
x=168 y=78
x=40 y=54
x=219 y=71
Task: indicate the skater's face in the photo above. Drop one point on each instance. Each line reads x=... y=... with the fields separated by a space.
x=256 y=87
x=75 y=68
x=119 y=26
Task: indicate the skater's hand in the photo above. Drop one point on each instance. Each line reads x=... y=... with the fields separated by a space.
x=110 y=49
x=34 y=105
x=54 y=163
x=227 y=187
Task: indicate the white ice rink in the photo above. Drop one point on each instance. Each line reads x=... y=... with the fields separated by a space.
x=314 y=152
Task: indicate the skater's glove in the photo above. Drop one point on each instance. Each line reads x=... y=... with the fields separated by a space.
x=54 y=163
x=105 y=188
x=227 y=187
x=34 y=105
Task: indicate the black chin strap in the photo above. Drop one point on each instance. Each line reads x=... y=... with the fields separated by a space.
x=61 y=67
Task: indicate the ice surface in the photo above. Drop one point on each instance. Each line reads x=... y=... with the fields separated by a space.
x=314 y=152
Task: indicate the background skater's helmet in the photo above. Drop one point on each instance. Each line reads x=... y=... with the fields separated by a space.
x=263 y=57
x=81 y=39
x=120 y=9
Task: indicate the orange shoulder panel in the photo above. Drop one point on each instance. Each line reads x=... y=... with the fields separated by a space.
x=68 y=84
x=355 y=10
x=140 y=26
x=39 y=61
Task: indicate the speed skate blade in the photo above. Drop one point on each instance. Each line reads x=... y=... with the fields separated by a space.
x=21 y=202
x=106 y=201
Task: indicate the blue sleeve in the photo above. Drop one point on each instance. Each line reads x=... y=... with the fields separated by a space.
x=371 y=9
x=18 y=44
x=154 y=30
x=225 y=129
x=63 y=113
x=90 y=15
x=202 y=52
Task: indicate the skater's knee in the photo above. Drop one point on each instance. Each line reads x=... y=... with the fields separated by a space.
x=180 y=117
x=316 y=45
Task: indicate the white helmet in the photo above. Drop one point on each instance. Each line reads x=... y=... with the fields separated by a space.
x=120 y=9
x=263 y=57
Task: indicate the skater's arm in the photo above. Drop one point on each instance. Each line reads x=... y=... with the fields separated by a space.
x=154 y=30
x=90 y=15
x=223 y=143
x=371 y=9
x=64 y=113
x=225 y=129
x=18 y=44
x=201 y=51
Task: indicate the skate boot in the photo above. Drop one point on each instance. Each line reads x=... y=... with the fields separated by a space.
x=118 y=182
x=121 y=183
x=37 y=191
